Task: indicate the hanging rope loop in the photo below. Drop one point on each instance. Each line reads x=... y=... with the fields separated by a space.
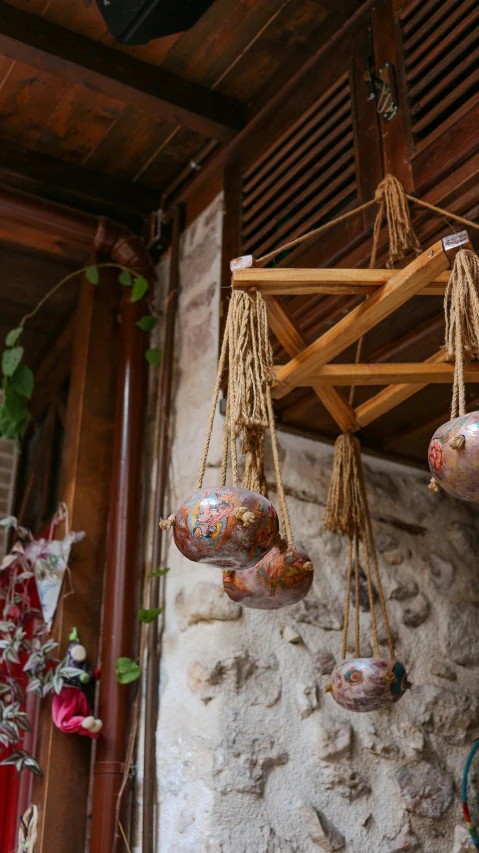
x=461 y=312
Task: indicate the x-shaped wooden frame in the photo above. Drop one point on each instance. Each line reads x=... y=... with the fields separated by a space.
x=387 y=290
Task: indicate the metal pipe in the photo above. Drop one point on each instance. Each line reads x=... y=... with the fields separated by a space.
x=120 y=589
x=152 y=667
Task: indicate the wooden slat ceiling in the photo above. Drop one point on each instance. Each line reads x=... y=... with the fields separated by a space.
x=241 y=52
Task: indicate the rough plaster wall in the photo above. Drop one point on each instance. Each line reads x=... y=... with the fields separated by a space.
x=253 y=756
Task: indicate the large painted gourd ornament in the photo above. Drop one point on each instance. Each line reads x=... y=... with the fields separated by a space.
x=454 y=457
x=226 y=526
x=368 y=684
x=281 y=578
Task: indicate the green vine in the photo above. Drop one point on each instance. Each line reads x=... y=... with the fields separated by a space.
x=128 y=670
x=18 y=380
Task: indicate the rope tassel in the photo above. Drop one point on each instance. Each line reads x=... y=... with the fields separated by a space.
x=347 y=513
x=393 y=202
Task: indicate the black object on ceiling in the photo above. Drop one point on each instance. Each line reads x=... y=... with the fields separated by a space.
x=141 y=21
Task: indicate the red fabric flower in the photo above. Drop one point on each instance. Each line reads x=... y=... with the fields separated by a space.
x=436 y=459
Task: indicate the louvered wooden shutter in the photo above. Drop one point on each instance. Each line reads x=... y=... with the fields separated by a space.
x=305 y=178
x=441 y=58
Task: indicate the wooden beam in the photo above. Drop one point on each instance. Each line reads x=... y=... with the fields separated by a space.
x=388 y=373
x=75 y=185
x=403 y=284
x=296 y=282
x=392 y=396
x=294 y=342
x=37 y=42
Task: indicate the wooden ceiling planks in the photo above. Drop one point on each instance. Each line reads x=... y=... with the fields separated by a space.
x=45 y=45
x=235 y=48
x=287 y=31
x=131 y=144
x=28 y=97
x=78 y=124
x=223 y=35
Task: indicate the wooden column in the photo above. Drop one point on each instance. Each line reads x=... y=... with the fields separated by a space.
x=85 y=486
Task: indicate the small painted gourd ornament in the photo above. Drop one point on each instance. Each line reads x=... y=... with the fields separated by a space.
x=282 y=577
x=368 y=684
x=225 y=526
x=454 y=457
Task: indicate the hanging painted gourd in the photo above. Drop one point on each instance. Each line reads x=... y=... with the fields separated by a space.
x=225 y=526
x=359 y=683
x=454 y=457
x=284 y=576
x=454 y=448
x=367 y=684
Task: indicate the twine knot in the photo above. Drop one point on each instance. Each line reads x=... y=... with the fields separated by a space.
x=458 y=442
x=245 y=515
x=167 y=523
x=434 y=486
x=308 y=566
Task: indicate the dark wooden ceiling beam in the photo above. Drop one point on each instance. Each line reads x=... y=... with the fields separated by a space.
x=35 y=41
x=77 y=186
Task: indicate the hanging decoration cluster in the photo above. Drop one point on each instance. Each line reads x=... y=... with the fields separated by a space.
x=454 y=449
x=235 y=527
x=359 y=683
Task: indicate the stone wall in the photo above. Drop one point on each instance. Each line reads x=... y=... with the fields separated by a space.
x=253 y=756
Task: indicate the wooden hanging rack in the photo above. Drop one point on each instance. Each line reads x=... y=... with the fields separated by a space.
x=310 y=363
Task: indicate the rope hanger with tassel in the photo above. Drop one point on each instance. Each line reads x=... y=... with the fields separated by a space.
x=366 y=684
x=262 y=570
x=454 y=448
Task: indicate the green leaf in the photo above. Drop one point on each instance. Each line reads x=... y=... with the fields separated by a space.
x=23 y=381
x=13 y=336
x=159 y=573
x=15 y=404
x=125 y=278
x=92 y=275
x=154 y=356
x=128 y=677
x=127 y=670
x=124 y=664
x=140 y=287
x=11 y=359
x=146 y=324
x=148 y=616
x=7 y=424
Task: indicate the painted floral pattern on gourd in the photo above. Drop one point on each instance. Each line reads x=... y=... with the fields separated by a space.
x=281 y=578
x=225 y=526
x=454 y=456
x=368 y=684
